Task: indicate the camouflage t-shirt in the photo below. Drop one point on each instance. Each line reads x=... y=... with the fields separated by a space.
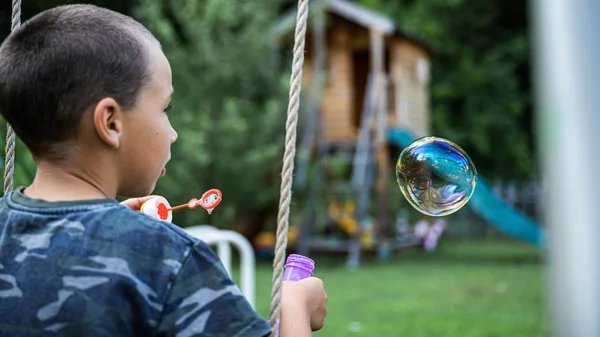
x=98 y=268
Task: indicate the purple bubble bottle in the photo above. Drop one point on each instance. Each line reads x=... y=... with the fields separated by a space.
x=297 y=267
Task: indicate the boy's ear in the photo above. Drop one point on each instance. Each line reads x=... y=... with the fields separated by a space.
x=108 y=121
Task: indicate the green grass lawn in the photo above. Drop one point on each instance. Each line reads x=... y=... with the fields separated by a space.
x=464 y=289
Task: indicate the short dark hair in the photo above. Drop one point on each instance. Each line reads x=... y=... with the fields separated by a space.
x=61 y=63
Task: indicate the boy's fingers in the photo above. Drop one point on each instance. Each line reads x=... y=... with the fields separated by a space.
x=136 y=203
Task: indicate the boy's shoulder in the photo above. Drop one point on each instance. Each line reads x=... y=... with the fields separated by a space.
x=146 y=237
x=125 y=224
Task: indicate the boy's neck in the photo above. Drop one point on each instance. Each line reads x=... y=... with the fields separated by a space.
x=66 y=183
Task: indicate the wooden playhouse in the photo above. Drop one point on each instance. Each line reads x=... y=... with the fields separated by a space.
x=345 y=43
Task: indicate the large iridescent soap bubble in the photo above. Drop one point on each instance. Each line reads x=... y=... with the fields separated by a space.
x=436 y=176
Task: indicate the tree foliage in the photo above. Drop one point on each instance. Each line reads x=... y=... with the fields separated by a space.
x=480 y=77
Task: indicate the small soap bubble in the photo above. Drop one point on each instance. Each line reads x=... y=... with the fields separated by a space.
x=436 y=176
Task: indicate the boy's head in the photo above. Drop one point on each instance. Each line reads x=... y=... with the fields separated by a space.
x=86 y=86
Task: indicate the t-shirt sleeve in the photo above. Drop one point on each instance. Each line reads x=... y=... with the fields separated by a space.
x=204 y=301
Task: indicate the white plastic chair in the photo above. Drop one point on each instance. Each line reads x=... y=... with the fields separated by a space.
x=224 y=239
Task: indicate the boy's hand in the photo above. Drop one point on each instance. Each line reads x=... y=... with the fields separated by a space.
x=136 y=203
x=310 y=294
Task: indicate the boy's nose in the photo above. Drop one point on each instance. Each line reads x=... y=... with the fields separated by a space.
x=174 y=135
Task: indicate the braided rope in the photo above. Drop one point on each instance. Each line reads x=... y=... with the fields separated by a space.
x=9 y=158
x=288 y=164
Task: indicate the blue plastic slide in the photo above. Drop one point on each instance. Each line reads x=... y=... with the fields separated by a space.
x=486 y=204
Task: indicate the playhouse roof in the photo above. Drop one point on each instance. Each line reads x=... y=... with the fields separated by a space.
x=355 y=13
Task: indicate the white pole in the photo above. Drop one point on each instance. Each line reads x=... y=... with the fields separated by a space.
x=567 y=49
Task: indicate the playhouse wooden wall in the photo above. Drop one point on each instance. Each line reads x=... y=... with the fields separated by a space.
x=347 y=67
x=410 y=86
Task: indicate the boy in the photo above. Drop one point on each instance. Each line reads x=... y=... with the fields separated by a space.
x=87 y=90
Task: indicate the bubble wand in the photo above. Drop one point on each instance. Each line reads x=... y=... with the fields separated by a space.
x=160 y=209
